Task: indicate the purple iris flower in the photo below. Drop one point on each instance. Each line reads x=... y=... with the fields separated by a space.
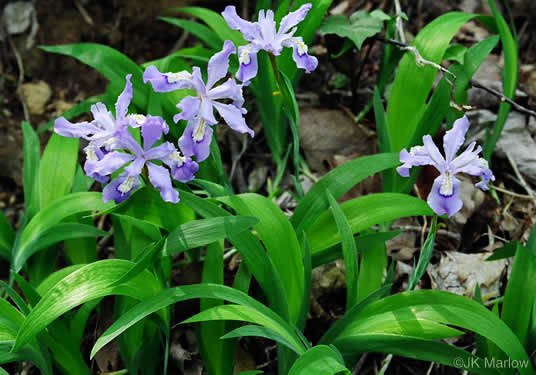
x=444 y=198
x=263 y=35
x=182 y=167
x=106 y=135
x=102 y=132
x=199 y=110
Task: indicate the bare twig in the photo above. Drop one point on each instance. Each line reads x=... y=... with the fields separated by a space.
x=519 y=176
x=421 y=61
x=85 y=15
x=20 y=79
x=508 y=192
x=399 y=26
x=359 y=364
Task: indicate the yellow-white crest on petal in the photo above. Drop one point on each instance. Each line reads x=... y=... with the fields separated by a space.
x=126 y=185
x=446 y=187
x=302 y=47
x=199 y=132
x=139 y=119
x=244 y=58
x=176 y=156
x=415 y=149
x=180 y=76
x=110 y=142
x=90 y=154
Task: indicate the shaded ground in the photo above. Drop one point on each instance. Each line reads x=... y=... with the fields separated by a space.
x=329 y=100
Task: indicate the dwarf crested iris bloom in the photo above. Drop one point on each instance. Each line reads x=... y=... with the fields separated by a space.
x=263 y=35
x=199 y=110
x=107 y=134
x=102 y=132
x=444 y=198
x=119 y=189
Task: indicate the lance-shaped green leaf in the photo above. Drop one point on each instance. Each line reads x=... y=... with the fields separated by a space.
x=338 y=182
x=413 y=83
x=362 y=213
x=90 y=282
x=319 y=360
x=190 y=235
x=280 y=240
x=10 y=321
x=174 y=295
x=425 y=256
x=30 y=169
x=7 y=236
x=56 y=172
x=60 y=209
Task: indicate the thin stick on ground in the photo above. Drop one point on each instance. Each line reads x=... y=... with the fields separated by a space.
x=421 y=61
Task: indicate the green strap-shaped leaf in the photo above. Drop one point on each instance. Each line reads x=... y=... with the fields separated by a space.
x=416 y=348
x=280 y=240
x=425 y=256
x=216 y=22
x=260 y=331
x=10 y=321
x=146 y=204
x=56 y=172
x=190 y=235
x=413 y=83
x=64 y=207
x=61 y=232
x=247 y=314
x=199 y=30
x=362 y=213
x=510 y=76
x=338 y=182
x=88 y=283
x=30 y=169
x=7 y=236
x=520 y=291
x=419 y=314
x=319 y=360
x=349 y=251
x=174 y=295
x=254 y=254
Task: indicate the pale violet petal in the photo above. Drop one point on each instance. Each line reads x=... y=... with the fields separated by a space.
x=160 y=179
x=218 y=65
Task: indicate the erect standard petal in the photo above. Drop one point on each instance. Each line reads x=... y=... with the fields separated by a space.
x=159 y=177
x=166 y=82
x=454 y=138
x=120 y=188
x=110 y=163
x=103 y=117
x=196 y=139
x=189 y=107
x=127 y=141
x=206 y=111
x=218 y=65
x=227 y=90
x=433 y=152
x=248 y=29
x=247 y=57
x=152 y=130
x=234 y=117
x=441 y=202
x=80 y=130
x=123 y=100
x=266 y=24
x=293 y=18
x=300 y=56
